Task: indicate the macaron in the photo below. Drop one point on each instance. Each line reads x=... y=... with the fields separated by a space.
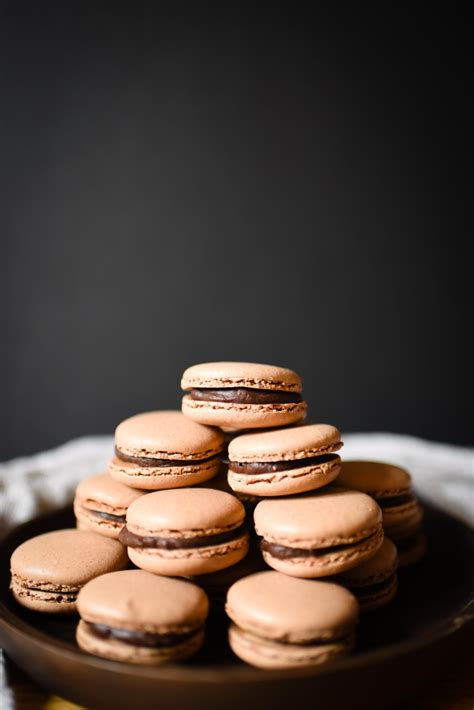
x=157 y=450
x=320 y=533
x=242 y=395
x=283 y=622
x=101 y=503
x=284 y=461
x=391 y=487
x=374 y=582
x=185 y=531
x=49 y=570
x=138 y=617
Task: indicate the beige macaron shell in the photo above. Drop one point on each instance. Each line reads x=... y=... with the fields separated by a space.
x=240 y=374
x=402 y=520
x=271 y=655
x=151 y=478
x=292 y=444
x=253 y=416
x=331 y=516
x=277 y=607
x=283 y=483
x=167 y=435
x=382 y=480
x=139 y=601
x=378 y=568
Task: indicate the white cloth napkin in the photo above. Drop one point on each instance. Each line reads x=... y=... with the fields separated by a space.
x=443 y=475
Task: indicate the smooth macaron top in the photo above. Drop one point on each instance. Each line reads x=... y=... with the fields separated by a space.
x=383 y=564
x=185 y=510
x=290 y=444
x=381 y=480
x=241 y=374
x=105 y=490
x=69 y=557
x=276 y=606
x=138 y=600
x=323 y=518
x=167 y=435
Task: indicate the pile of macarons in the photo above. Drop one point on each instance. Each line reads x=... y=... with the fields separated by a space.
x=232 y=505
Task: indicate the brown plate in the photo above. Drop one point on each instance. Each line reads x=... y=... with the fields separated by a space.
x=398 y=648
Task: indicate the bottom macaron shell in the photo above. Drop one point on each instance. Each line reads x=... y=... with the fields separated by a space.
x=267 y=654
x=370 y=600
x=52 y=600
x=284 y=483
x=119 y=651
x=243 y=416
x=190 y=562
x=86 y=520
x=154 y=479
x=327 y=564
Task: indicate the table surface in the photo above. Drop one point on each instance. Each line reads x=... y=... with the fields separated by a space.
x=452 y=690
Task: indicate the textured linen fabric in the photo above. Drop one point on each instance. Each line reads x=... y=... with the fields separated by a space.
x=443 y=475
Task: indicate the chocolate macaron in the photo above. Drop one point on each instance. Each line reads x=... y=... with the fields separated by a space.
x=243 y=395
x=186 y=531
x=49 y=570
x=391 y=487
x=374 y=582
x=157 y=450
x=101 y=504
x=284 y=461
x=138 y=617
x=283 y=622
x=318 y=534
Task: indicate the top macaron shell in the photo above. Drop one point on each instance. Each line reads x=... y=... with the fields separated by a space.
x=190 y=448
x=295 y=444
x=103 y=494
x=224 y=375
x=380 y=480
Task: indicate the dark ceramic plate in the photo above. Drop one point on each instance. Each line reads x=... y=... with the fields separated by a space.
x=397 y=648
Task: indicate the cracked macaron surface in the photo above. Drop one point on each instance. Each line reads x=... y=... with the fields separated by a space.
x=49 y=570
x=284 y=461
x=165 y=449
x=186 y=531
x=242 y=395
x=283 y=622
x=320 y=533
x=138 y=617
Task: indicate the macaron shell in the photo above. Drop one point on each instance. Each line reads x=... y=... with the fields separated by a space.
x=105 y=494
x=378 y=568
x=241 y=374
x=118 y=651
x=139 y=601
x=190 y=562
x=149 y=478
x=329 y=564
x=291 y=444
x=168 y=435
x=51 y=601
x=86 y=520
x=272 y=655
x=382 y=480
x=281 y=608
x=243 y=416
x=282 y=483
x=324 y=518
x=402 y=520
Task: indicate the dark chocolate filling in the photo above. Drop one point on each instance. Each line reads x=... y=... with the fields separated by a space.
x=244 y=395
x=274 y=466
x=157 y=463
x=129 y=539
x=282 y=552
x=109 y=516
x=140 y=638
x=394 y=501
x=372 y=588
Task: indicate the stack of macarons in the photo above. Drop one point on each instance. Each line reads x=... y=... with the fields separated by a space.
x=249 y=506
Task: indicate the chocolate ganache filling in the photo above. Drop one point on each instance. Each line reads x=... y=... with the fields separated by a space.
x=109 y=516
x=373 y=588
x=140 y=638
x=394 y=501
x=244 y=395
x=282 y=552
x=157 y=463
x=274 y=466
x=130 y=539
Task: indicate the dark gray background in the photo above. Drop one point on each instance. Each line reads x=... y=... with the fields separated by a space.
x=180 y=187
